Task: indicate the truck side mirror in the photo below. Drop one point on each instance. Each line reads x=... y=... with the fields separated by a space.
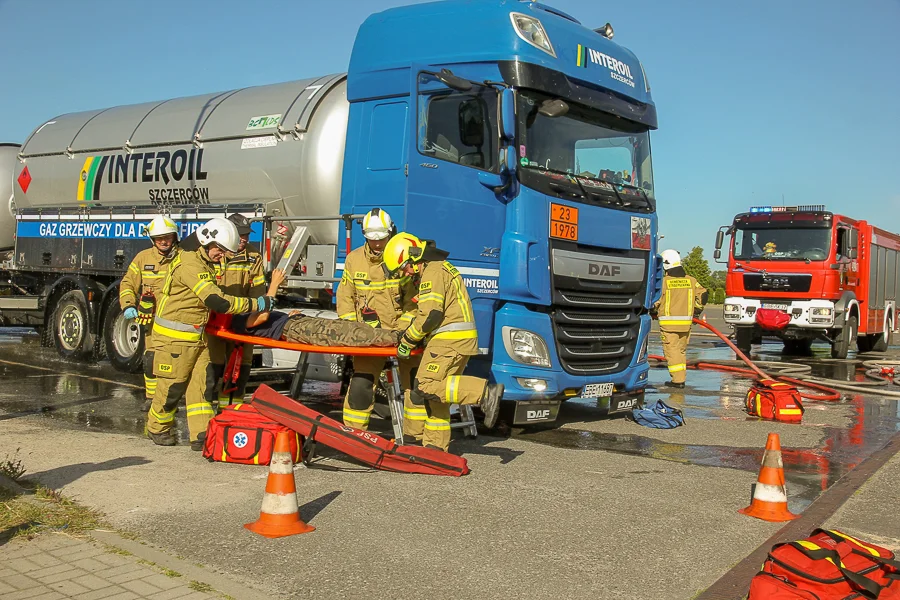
x=720 y=237
x=717 y=254
x=508 y=114
x=852 y=244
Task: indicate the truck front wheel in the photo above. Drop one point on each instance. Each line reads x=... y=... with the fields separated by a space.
x=71 y=327
x=123 y=339
x=845 y=339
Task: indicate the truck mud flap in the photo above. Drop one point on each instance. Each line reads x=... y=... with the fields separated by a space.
x=366 y=447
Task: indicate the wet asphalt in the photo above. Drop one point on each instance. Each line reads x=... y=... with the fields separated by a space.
x=612 y=460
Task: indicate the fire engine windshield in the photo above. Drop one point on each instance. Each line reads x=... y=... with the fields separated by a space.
x=600 y=157
x=782 y=244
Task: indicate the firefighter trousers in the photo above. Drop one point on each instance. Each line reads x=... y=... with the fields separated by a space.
x=220 y=356
x=440 y=383
x=181 y=370
x=675 y=350
x=360 y=398
x=149 y=377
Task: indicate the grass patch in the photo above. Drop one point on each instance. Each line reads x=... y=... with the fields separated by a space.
x=12 y=467
x=199 y=586
x=171 y=573
x=46 y=510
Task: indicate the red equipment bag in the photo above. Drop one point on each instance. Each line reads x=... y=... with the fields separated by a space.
x=772 y=318
x=775 y=401
x=828 y=565
x=241 y=435
x=366 y=447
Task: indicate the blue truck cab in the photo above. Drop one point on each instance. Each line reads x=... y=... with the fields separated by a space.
x=517 y=139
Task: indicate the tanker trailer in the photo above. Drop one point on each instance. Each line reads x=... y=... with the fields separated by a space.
x=85 y=185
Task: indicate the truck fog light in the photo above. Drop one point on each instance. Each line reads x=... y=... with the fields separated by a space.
x=538 y=385
x=822 y=312
x=526 y=347
x=733 y=308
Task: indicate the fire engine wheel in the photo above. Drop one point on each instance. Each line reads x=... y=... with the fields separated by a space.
x=878 y=342
x=846 y=339
x=70 y=326
x=124 y=340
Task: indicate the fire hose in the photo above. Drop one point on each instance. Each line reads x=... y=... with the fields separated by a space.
x=785 y=372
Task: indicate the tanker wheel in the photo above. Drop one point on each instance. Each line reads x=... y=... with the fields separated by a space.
x=124 y=340
x=846 y=338
x=70 y=326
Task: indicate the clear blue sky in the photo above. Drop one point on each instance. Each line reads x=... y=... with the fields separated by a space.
x=755 y=99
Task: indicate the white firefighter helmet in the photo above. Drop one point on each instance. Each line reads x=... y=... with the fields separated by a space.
x=671 y=259
x=161 y=226
x=377 y=224
x=219 y=231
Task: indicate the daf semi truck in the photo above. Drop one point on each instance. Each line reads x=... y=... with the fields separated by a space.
x=508 y=132
x=833 y=278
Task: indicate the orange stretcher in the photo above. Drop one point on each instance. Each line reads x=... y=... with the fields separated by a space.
x=394 y=394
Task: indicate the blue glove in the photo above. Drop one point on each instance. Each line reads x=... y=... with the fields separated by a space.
x=404 y=349
x=131 y=313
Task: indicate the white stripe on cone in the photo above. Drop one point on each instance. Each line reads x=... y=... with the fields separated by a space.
x=769 y=493
x=280 y=504
x=281 y=463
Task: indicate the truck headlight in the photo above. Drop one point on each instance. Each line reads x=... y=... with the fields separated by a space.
x=822 y=312
x=526 y=347
x=732 y=308
x=531 y=30
x=642 y=355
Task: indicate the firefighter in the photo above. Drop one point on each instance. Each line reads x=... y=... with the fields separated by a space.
x=682 y=299
x=367 y=295
x=179 y=342
x=445 y=323
x=141 y=286
x=241 y=274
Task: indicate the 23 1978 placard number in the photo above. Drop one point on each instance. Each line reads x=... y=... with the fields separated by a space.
x=563 y=222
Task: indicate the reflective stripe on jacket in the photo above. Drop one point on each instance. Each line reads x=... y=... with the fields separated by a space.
x=444 y=312
x=147 y=271
x=675 y=308
x=365 y=284
x=243 y=274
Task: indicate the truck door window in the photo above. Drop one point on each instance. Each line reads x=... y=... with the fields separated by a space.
x=458 y=127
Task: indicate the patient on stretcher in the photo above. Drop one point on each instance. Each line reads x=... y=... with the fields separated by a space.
x=301 y=329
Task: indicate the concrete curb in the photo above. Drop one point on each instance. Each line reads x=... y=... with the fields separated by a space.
x=221 y=583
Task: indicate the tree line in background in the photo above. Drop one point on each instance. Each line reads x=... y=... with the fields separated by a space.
x=695 y=265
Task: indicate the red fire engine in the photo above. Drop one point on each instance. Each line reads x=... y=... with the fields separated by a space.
x=803 y=274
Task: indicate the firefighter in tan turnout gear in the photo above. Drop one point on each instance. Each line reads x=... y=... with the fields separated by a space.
x=179 y=342
x=141 y=287
x=445 y=323
x=367 y=295
x=243 y=275
x=682 y=299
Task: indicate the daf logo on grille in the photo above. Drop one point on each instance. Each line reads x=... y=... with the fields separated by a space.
x=606 y=270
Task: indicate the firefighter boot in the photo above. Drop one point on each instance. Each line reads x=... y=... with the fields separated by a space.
x=197 y=445
x=167 y=438
x=490 y=403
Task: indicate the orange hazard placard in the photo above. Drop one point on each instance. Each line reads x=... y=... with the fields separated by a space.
x=563 y=222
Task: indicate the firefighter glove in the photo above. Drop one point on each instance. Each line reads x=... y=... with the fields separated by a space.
x=370 y=317
x=404 y=348
x=265 y=303
x=131 y=313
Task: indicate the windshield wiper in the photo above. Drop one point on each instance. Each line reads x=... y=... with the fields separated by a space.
x=605 y=193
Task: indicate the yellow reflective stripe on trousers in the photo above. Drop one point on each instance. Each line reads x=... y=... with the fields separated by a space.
x=356 y=416
x=435 y=424
x=451 y=389
x=175 y=334
x=678 y=367
x=200 y=408
x=415 y=414
x=164 y=417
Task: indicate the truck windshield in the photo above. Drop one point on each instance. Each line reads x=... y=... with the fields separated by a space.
x=782 y=244
x=604 y=152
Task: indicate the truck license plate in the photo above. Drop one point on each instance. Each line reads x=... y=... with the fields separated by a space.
x=775 y=305
x=597 y=390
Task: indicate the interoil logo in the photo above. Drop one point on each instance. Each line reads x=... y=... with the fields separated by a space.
x=181 y=167
x=618 y=70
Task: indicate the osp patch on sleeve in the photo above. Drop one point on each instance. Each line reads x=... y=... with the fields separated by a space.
x=424 y=287
x=203 y=276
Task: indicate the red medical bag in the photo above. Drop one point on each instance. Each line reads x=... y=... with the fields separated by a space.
x=241 y=435
x=775 y=401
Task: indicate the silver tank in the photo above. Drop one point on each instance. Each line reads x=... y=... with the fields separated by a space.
x=278 y=145
x=7 y=216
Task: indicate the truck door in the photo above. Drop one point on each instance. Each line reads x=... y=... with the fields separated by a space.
x=457 y=137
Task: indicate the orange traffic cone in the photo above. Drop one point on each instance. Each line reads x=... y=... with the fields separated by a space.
x=280 y=515
x=769 y=495
x=704 y=317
